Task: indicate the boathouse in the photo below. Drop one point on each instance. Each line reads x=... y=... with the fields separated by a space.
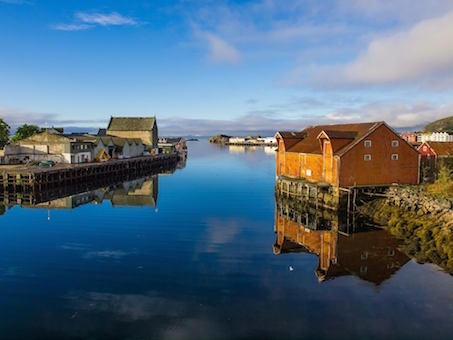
x=144 y=128
x=347 y=155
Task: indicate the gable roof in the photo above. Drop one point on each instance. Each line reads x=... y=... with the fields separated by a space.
x=131 y=123
x=44 y=137
x=444 y=149
x=341 y=135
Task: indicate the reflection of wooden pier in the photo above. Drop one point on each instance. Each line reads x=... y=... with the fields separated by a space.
x=36 y=179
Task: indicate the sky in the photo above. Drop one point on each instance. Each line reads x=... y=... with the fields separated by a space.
x=205 y=67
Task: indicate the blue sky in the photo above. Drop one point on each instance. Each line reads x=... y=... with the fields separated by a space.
x=221 y=66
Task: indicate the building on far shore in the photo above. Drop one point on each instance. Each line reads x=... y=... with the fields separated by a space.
x=124 y=138
x=51 y=145
x=173 y=144
x=435 y=150
x=410 y=137
x=144 y=128
x=435 y=137
x=347 y=155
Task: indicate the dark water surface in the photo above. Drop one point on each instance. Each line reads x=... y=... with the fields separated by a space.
x=208 y=256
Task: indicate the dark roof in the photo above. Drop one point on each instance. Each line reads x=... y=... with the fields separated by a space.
x=289 y=134
x=343 y=134
x=102 y=132
x=442 y=148
x=131 y=123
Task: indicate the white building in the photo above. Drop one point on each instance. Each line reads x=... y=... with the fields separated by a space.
x=435 y=137
x=237 y=140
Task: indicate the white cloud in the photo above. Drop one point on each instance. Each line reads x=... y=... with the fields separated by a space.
x=71 y=27
x=220 y=51
x=103 y=19
x=396 y=114
x=84 y=21
x=402 y=10
x=421 y=56
x=425 y=49
x=16 y=117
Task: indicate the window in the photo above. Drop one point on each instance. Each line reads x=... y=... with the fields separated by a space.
x=395 y=143
x=368 y=144
x=367 y=157
x=395 y=157
x=425 y=148
x=308 y=172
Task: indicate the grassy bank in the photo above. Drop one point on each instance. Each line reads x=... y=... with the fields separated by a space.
x=427 y=238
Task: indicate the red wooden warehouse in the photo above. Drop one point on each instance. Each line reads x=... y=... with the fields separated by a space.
x=347 y=155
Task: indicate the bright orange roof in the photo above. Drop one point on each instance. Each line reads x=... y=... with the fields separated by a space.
x=341 y=135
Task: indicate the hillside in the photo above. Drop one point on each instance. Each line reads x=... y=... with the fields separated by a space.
x=445 y=124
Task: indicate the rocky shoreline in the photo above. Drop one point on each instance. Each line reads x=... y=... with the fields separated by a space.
x=424 y=222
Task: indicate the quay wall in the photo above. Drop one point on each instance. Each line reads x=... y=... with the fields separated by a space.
x=39 y=178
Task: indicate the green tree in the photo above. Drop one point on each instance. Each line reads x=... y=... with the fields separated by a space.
x=4 y=133
x=25 y=131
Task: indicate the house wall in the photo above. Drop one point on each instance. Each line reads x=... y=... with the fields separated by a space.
x=300 y=165
x=147 y=137
x=16 y=153
x=381 y=169
x=313 y=167
x=426 y=151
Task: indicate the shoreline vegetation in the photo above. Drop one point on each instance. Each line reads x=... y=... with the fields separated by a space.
x=422 y=217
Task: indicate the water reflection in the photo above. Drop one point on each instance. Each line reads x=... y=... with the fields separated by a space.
x=343 y=245
x=133 y=192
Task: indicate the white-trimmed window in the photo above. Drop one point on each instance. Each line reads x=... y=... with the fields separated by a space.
x=367 y=157
x=367 y=144
x=308 y=172
x=395 y=157
x=425 y=148
x=395 y=143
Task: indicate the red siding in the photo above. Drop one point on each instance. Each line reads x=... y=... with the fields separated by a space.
x=426 y=151
x=381 y=169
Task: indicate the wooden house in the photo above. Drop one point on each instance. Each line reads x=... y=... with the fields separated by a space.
x=435 y=150
x=117 y=147
x=347 y=155
x=51 y=145
x=144 y=128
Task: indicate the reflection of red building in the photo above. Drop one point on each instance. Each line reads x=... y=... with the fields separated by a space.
x=370 y=255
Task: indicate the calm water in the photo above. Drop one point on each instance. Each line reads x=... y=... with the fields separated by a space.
x=204 y=253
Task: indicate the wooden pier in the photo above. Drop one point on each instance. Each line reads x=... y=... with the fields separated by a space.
x=326 y=195
x=36 y=179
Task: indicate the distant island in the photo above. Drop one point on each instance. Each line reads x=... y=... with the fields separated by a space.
x=249 y=140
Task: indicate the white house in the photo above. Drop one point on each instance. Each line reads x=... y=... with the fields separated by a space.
x=435 y=137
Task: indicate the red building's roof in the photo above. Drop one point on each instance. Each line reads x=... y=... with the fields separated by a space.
x=341 y=135
x=442 y=149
